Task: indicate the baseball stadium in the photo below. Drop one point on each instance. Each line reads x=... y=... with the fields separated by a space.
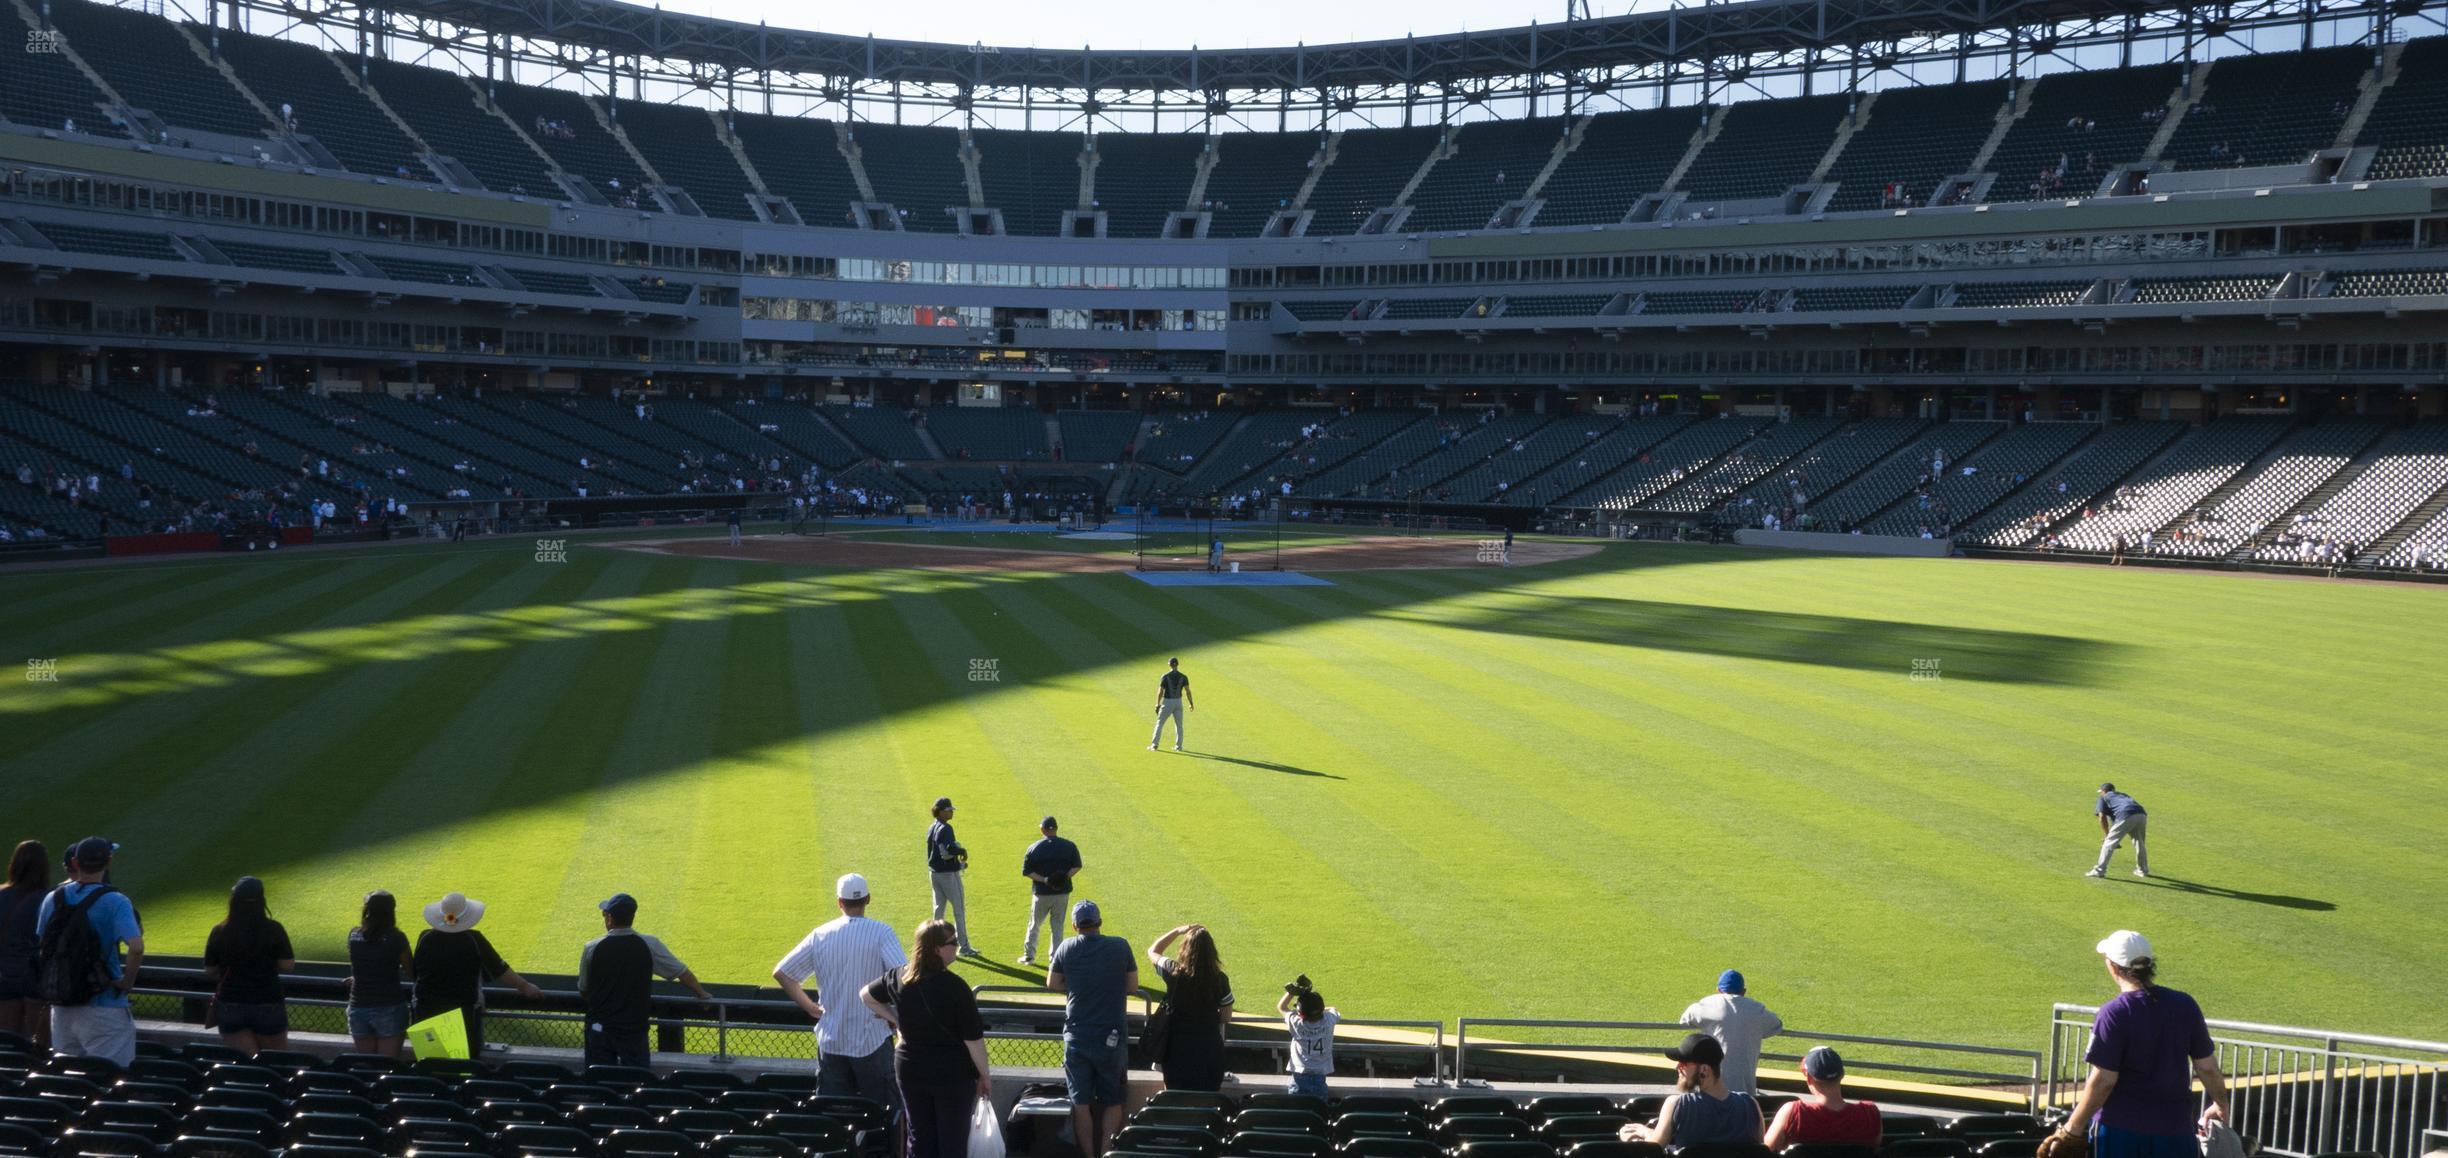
x=1775 y=577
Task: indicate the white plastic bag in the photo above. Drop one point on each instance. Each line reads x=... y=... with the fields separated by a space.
x=985 y=1131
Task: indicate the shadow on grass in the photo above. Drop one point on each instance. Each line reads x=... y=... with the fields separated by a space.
x=1875 y=645
x=2221 y=892
x=1263 y=765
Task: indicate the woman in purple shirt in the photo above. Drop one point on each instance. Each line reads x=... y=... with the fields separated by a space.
x=2147 y=1045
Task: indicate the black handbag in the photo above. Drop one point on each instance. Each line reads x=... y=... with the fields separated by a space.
x=1154 y=1035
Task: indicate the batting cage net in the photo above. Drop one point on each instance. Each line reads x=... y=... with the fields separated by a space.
x=1202 y=539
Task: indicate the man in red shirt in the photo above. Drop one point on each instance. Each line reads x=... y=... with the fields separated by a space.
x=1824 y=1115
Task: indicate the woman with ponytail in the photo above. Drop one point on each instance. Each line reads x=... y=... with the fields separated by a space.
x=2148 y=1044
x=941 y=1059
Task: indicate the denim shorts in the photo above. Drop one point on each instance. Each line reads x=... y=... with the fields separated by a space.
x=378 y=1021
x=1095 y=1072
x=260 y=1018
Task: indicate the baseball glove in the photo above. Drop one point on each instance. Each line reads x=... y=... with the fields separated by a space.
x=2064 y=1145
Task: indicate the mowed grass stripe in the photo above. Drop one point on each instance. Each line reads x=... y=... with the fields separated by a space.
x=640 y=795
x=1175 y=870
x=474 y=794
x=549 y=773
x=147 y=732
x=1379 y=851
x=293 y=780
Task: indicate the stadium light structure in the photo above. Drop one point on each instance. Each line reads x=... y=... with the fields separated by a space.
x=1680 y=54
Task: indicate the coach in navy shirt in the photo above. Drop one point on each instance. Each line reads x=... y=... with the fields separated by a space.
x=2121 y=816
x=1049 y=865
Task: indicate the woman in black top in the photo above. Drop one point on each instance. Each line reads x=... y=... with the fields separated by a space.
x=453 y=962
x=29 y=877
x=941 y=1060
x=1201 y=997
x=380 y=969
x=244 y=957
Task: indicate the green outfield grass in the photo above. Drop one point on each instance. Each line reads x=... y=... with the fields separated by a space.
x=1576 y=790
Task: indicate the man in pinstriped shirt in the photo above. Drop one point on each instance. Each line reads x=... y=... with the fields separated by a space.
x=844 y=956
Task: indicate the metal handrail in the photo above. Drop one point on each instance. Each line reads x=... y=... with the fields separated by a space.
x=2030 y=1080
x=2309 y=1091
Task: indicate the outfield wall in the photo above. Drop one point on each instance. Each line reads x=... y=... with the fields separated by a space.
x=1896 y=545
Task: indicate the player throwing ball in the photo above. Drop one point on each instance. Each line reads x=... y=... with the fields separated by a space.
x=1172 y=696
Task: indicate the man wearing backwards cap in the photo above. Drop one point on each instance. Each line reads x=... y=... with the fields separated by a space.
x=616 y=975
x=1705 y=1112
x=1096 y=974
x=1739 y=1024
x=2147 y=1045
x=845 y=955
x=1824 y=1115
x=102 y=1027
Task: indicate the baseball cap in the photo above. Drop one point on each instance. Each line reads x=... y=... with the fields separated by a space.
x=1085 y=915
x=1048 y=822
x=1698 y=1048
x=2107 y=787
x=247 y=888
x=1730 y=981
x=621 y=903
x=92 y=852
x=942 y=802
x=1823 y=1063
x=2125 y=947
x=851 y=887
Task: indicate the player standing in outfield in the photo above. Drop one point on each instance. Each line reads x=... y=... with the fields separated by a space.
x=1215 y=554
x=2121 y=816
x=1172 y=695
x=733 y=520
x=1508 y=547
x=946 y=860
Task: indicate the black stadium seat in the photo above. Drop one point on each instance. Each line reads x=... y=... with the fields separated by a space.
x=1474 y=1104
x=1566 y=1129
x=255 y=1126
x=600 y=1119
x=664 y=1098
x=427 y=1133
x=1196 y=1099
x=1907 y=1125
x=1380 y=1104
x=785 y=1083
x=243 y=1098
x=521 y=1139
x=1459 y=1128
x=19 y=1138
x=748 y=1146
x=80 y=1143
x=217 y=1146
x=160 y=1123
x=1283 y=1101
x=1294 y=1121
x=1383 y=1146
x=1172 y=1140
x=1558 y=1105
x=2009 y=1148
x=1365 y=1123
x=154 y=1093
x=1826 y=1150
x=404 y=1110
x=329 y=1082
x=1277 y=1144
x=813 y=1132
x=500 y=1114
x=1189 y=1117
x=1726 y=1150
x=1507 y=1148
x=704 y=1124
x=335 y=1130
x=1926 y=1148
x=102 y=1071
x=754 y=1103
x=1995 y=1126
x=639 y=1143
x=324 y=1150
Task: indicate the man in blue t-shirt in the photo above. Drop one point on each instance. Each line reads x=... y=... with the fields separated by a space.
x=1096 y=974
x=2121 y=816
x=102 y=1027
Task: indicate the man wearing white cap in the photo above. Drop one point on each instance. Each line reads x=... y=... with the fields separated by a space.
x=844 y=956
x=2147 y=1045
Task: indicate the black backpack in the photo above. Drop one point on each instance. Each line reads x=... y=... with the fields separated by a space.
x=68 y=966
